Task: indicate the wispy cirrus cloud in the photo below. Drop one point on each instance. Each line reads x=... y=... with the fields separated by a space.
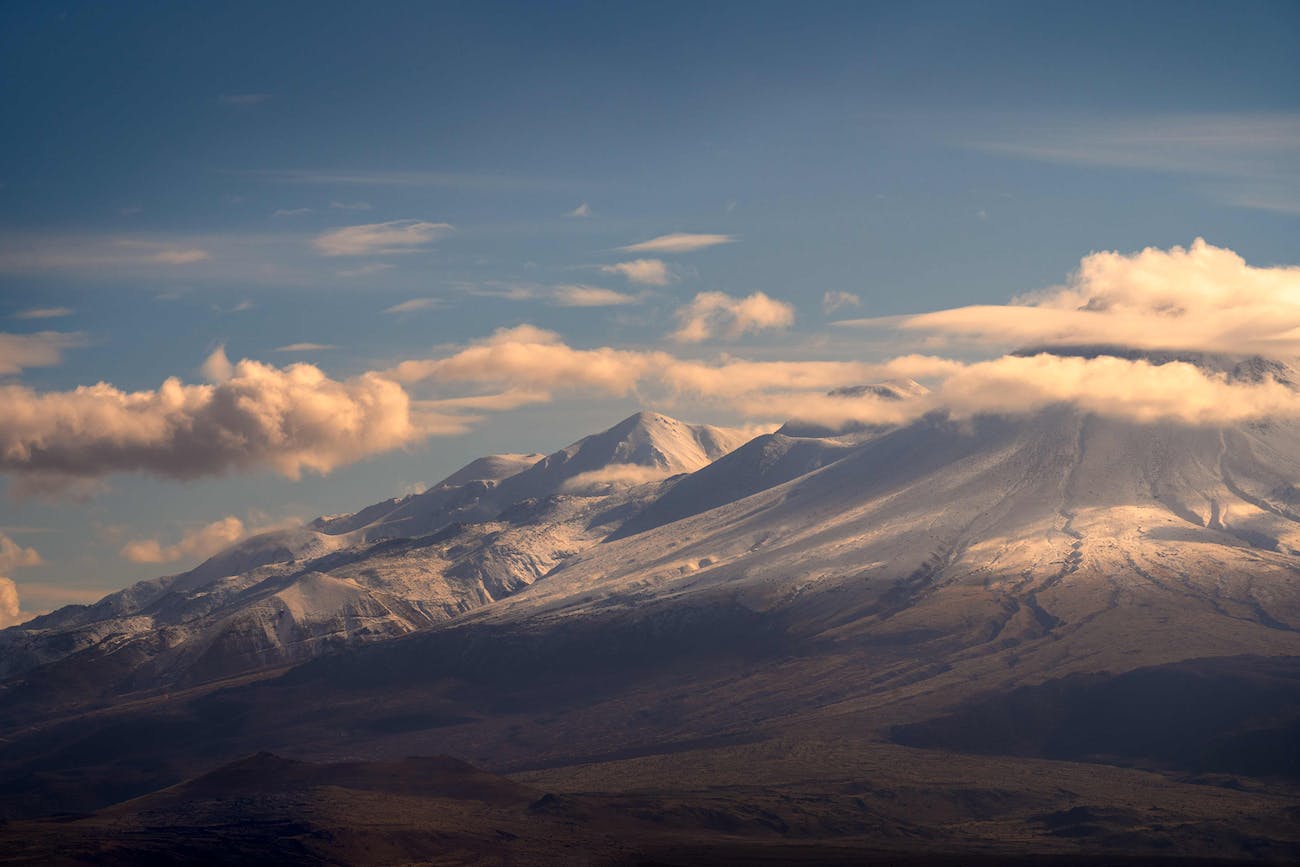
x=381 y=239
x=580 y=295
x=1247 y=160
x=415 y=305
x=43 y=313
x=678 y=242
x=71 y=253
x=305 y=347
x=583 y=210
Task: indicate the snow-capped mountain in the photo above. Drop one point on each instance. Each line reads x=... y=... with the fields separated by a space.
x=1063 y=537
x=481 y=534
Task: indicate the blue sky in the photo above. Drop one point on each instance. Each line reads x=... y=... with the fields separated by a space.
x=171 y=174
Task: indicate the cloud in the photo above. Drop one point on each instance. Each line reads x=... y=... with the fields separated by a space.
x=350 y=206
x=832 y=301
x=678 y=242
x=251 y=415
x=650 y=272
x=414 y=305
x=714 y=314
x=1201 y=297
x=43 y=313
x=531 y=358
x=1246 y=160
x=614 y=476
x=178 y=257
x=583 y=210
x=1207 y=283
x=374 y=239
x=10 y=610
x=13 y=556
x=199 y=543
x=42 y=349
x=1236 y=144
x=577 y=295
x=35 y=253
x=305 y=347
x=292 y=212
x=244 y=99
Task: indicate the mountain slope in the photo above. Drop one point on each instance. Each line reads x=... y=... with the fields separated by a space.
x=482 y=534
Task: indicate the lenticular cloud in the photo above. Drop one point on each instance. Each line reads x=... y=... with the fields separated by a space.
x=1200 y=297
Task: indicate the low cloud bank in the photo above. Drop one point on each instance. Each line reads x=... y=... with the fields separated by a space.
x=252 y=415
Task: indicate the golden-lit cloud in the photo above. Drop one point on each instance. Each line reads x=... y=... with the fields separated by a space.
x=250 y=414
x=678 y=242
x=648 y=272
x=13 y=556
x=1200 y=297
x=374 y=239
x=713 y=315
x=199 y=543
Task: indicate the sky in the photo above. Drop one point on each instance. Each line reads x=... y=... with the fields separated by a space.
x=261 y=262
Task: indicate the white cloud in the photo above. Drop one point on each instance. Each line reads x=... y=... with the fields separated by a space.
x=577 y=295
x=350 y=206
x=832 y=301
x=649 y=272
x=375 y=239
x=414 y=305
x=44 y=313
x=678 y=242
x=292 y=212
x=305 y=347
x=714 y=315
x=583 y=210
x=42 y=349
